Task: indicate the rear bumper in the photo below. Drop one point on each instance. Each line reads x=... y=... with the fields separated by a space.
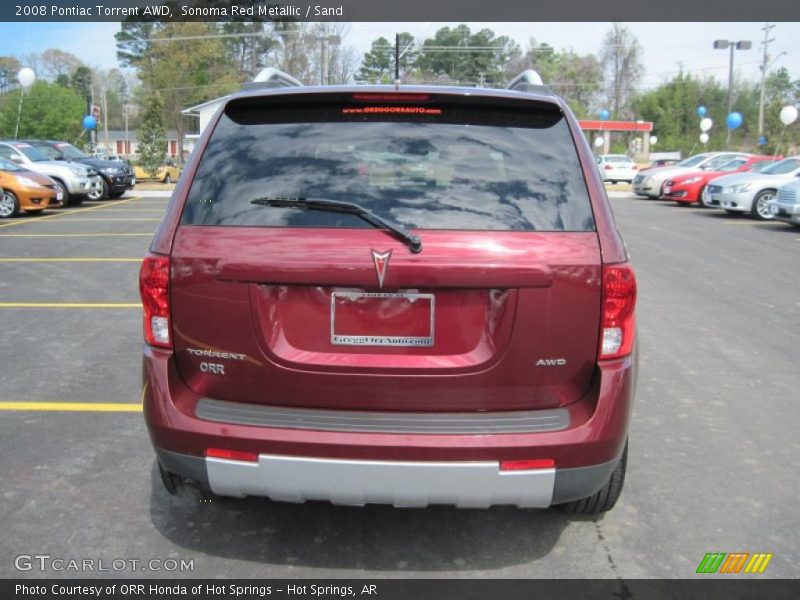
x=400 y=468
x=399 y=483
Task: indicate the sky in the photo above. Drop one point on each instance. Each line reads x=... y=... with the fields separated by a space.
x=666 y=46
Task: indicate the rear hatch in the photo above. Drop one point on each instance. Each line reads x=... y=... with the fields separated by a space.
x=279 y=301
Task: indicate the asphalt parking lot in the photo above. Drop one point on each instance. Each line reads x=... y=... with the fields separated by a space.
x=713 y=448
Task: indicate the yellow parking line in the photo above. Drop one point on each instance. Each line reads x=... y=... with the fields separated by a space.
x=70 y=305
x=73 y=406
x=38 y=235
x=134 y=208
x=112 y=219
x=67 y=260
x=65 y=212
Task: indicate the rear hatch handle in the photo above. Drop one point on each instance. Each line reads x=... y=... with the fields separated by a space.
x=413 y=241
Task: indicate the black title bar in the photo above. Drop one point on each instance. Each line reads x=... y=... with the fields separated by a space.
x=404 y=10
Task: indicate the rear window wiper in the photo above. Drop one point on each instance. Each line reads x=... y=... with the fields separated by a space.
x=413 y=241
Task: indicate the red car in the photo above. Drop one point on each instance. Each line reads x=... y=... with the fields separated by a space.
x=687 y=188
x=405 y=295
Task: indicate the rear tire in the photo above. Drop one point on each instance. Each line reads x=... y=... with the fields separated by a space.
x=168 y=178
x=607 y=497
x=9 y=205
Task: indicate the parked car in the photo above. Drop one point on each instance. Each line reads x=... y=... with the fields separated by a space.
x=21 y=189
x=167 y=172
x=74 y=181
x=650 y=181
x=663 y=162
x=616 y=167
x=786 y=205
x=461 y=334
x=116 y=177
x=751 y=192
x=688 y=188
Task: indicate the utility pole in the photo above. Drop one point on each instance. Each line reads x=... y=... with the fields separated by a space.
x=397 y=58
x=767 y=40
x=724 y=45
x=105 y=122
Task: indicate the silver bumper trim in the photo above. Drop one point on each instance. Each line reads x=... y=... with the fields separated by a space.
x=402 y=484
x=533 y=421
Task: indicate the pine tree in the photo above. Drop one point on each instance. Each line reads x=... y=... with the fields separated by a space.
x=152 y=141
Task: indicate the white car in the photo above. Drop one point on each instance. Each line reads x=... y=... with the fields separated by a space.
x=616 y=167
x=786 y=206
x=650 y=181
x=751 y=192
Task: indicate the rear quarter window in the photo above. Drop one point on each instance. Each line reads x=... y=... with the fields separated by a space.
x=436 y=164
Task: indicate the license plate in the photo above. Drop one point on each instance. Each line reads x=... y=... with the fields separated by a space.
x=382 y=319
x=133 y=181
x=59 y=196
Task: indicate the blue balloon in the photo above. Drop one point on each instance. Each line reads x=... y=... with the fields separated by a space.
x=89 y=122
x=701 y=111
x=734 y=120
x=604 y=115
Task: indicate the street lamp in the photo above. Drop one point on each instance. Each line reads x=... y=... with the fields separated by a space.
x=724 y=45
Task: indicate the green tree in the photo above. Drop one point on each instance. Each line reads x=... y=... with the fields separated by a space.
x=780 y=91
x=185 y=63
x=152 y=141
x=49 y=111
x=81 y=82
x=462 y=56
x=249 y=46
x=9 y=67
x=377 y=65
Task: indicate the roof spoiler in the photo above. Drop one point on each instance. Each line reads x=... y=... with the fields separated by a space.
x=271 y=78
x=529 y=81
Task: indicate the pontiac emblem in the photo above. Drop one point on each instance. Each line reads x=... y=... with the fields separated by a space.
x=381 y=260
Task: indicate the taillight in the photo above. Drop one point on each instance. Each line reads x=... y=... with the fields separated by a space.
x=608 y=167
x=154 y=290
x=618 y=320
x=635 y=168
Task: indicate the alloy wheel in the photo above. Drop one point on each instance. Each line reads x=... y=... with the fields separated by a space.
x=6 y=206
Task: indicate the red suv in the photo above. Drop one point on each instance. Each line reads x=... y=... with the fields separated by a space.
x=402 y=295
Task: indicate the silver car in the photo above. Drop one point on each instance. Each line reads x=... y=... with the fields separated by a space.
x=786 y=205
x=616 y=167
x=751 y=192
x=650 y=181
x=75 y=181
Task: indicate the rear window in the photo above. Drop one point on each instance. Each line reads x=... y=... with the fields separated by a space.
x=432 y=164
